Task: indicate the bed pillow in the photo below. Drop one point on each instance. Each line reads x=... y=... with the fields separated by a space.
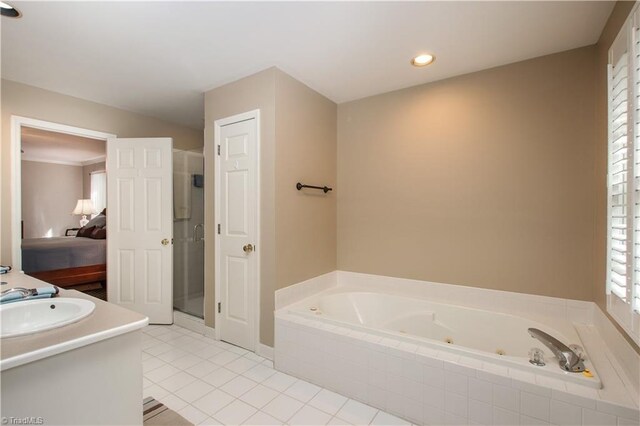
x=99 y=221
x=99 y=233
x=85 y=231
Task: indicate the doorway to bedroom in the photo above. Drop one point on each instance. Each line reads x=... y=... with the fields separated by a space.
x=59 y=217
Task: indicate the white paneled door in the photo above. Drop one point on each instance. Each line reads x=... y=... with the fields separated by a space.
x=238 y=227
x=140 y=226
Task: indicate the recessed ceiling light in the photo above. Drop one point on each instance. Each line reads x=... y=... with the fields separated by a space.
x=422 y=60
x=8 y=10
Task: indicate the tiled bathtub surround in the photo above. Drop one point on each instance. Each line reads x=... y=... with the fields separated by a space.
x=428 y=386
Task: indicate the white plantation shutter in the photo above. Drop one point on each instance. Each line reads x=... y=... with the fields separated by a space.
x=619 y=258
x=633 y=292
x=623 y=181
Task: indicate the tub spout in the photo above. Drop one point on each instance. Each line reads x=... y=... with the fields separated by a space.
x=568 y=359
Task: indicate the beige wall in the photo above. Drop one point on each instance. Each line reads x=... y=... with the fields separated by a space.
x=254 y=92
x=305 y=152
x=49 y=194
x=483 y=180
x=27 y=101
x=306 y=144
x=86 y=177
x=298 y=142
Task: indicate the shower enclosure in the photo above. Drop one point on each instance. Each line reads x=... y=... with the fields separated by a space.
x=188 y=232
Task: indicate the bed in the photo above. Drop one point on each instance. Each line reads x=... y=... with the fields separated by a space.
x=65 y=261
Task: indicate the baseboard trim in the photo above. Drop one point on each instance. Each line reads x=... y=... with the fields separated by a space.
x=210 y=332
x=265 y=351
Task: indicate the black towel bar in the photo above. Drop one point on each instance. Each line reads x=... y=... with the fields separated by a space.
x=326 y=189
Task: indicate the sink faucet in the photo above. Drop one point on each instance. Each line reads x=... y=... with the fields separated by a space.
x=567 y=358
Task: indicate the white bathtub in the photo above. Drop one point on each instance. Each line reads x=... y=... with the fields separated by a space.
x=488 y=336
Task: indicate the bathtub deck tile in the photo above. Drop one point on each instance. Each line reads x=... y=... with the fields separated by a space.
x=448 y=356
x=590 y=417
x=493 y=378
x=373 y=338
x=628 y=422
x=429 y=357
x=412 y=369
x=472 y=363
x=480 y=412
x=456 y=383
x=389 y=344
x=480 y=390
x=409 y=348
x=505 y=417
x=617 y=410
x=523 y=376
x=413 y=410
x=377 y=397
x=500 y=370
x=550 y=382
x=454 y=420
x=433 y=415
x=574 y=399
x=532 y=388
x=565 y=414
x=530 y=421
x=433 y=376
x=458 y=368
x=433 y=397
x=536 y=406
x=393 y=365
x=456 y=404
x=505 y=397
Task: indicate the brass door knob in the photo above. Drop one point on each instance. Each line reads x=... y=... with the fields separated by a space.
x=165 y=242
x=248 y=248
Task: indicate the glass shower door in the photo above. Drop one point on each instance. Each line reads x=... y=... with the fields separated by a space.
x=188 y=232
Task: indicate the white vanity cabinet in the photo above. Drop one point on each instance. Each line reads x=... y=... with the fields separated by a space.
x=88 y=372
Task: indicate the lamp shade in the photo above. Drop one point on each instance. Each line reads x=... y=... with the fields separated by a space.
x=84 y=207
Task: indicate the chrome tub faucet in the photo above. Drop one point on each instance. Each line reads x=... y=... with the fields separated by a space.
x=568 y=359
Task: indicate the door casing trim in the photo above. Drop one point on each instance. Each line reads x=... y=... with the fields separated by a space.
x=16 y=171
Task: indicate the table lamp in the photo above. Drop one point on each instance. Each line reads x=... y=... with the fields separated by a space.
x=84 y=207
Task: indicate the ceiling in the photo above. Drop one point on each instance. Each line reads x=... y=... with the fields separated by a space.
x=53 y=147
x=157 y=58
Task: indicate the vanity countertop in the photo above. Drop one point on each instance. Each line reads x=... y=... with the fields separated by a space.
x=106 y=321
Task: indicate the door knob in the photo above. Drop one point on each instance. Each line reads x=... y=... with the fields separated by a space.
x=248 y=248
x=164 y=242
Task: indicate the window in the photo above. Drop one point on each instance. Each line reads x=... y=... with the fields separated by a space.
x=99 y=190
x=623 y=180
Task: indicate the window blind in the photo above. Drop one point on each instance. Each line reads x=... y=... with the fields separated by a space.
x=623 y=180
x=618 y=177
x=99 y=190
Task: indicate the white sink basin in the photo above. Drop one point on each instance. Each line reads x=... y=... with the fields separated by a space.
x=33 y=316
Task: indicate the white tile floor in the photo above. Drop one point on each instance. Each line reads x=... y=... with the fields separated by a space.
x=215 y=383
